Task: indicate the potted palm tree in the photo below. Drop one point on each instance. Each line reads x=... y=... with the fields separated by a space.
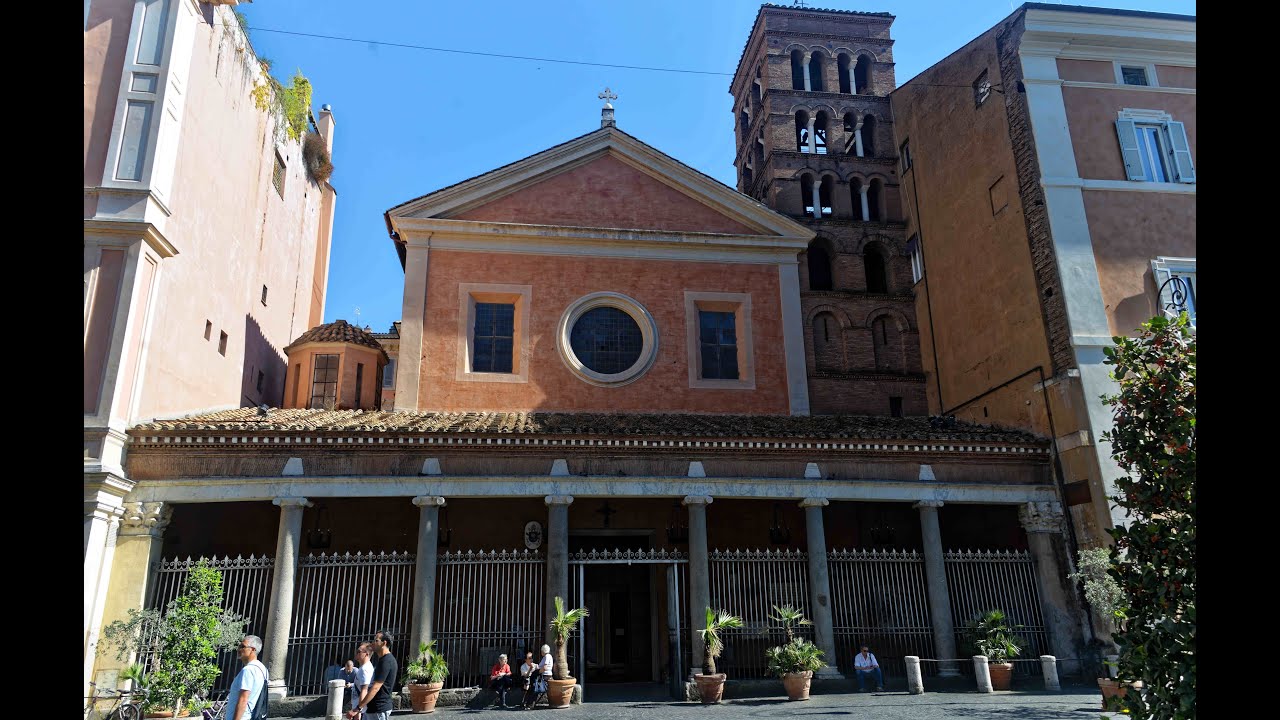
x=994 y=638
x=425 y=676
x=797 y=660
x=711 y=683
x=560 y=688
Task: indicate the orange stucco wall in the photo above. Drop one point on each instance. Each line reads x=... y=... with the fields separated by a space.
x=1091 y=116
x=605 y=192
x=1123 y=249
x=297 y=394
x=558 y=281
x=1099 y=71
x=1175 y=76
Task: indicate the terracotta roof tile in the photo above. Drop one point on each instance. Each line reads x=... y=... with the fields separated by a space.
x=337 y=331
x=669 y=425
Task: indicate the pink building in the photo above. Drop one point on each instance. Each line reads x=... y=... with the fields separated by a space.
x=206 y=242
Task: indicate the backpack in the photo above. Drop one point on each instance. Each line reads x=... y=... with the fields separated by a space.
x=260 y=708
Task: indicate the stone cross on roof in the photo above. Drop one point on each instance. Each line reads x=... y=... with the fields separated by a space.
x=606 y=114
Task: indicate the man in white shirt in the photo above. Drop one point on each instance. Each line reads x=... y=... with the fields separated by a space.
x=364 y=673
x=250 y=684
x=866 y=666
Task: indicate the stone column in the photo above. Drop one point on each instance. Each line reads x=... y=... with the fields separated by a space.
x=557 y=557
x=817 y=198
x=857 y=137
x=134 y=552
x=280 y=618
x=813 y=139
x=862 y=192
x=820 y=584
x=935 y=571
x=1063 y=616
x=808 y=58
x=101 y=525
x=424 y=582
x=699 y=573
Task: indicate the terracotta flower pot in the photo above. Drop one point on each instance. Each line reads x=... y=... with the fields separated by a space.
x=1114 y=689
x=710 y=687
x=560 y=692
x=165 y=713
x=423 y=696
x=1001 y=675
x=797 y=684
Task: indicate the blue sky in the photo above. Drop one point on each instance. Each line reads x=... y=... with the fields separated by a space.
x=412 y=121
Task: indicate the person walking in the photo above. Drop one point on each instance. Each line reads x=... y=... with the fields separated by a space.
x=375 y=701
x=248 y=692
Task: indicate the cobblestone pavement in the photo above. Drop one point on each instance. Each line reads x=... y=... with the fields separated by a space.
x=1077 y=703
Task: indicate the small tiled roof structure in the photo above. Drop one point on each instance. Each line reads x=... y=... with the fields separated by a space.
x=661 y=425
x=338 y=331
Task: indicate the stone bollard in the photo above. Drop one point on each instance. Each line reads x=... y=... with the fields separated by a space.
x=1112 y=670
x=915 y=683
x=333 y=709
x=982 y=673
x=1049 y=667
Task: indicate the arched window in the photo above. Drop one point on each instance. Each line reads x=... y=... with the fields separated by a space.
x=886 y=342
x=873 y=264
x=875 y=196
x=746 y=179
x=843 y=64
x=815 y=72
x=819 y=267
x=797 y=69
x=826 y=195
x=744 y=122
x=869 y=135
x=827 y=354
x=856 y=195
x=820 y=133
x=802 y=131
x=850 y=140
x=806 y=194
x=862 y=75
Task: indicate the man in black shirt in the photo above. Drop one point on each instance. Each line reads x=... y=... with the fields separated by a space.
x=375 y=702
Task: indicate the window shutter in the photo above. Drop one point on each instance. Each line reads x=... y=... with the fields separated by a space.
x=1129 y=149
x=1181 y=152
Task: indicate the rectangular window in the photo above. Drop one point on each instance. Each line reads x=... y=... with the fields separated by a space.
x=905 y=153
x=208 y=329
x=277 y=176
x=1133 y=75
x=1154 y=147
x=359 y=382
x=222 y=344
x=261 y=380
x=494 y=338
x=917 y=258
x=134 y=139
x=981 y=89
x=1176 y=285
x=389 y=374
x=324 y=383
x=895 y=407
x=264 y=294
x=297 y=376
x=718 y=340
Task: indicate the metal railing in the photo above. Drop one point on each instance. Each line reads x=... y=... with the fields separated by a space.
x=879 y=599
x=341 y=601
x=748 y=583
x=487 y=603
x=246 y=589
x=981 y=580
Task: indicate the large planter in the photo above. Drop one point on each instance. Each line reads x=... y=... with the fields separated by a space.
x=1114 y=689
x=797 y=684
x=1001 y=675
x=710 y=687
x=560 y=692
x=165 y=713
x=423 y=696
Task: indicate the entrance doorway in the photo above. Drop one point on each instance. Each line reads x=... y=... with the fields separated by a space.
x=618 y=635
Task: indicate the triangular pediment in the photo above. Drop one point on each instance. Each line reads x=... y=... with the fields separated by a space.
x=604 y=179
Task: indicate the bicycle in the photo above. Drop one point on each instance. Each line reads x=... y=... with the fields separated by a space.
x=124 y=707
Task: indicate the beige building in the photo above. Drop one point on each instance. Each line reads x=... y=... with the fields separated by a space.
x=206 y=244
x=1048 y=175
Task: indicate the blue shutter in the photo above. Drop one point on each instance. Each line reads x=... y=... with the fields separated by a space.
x=1128 y=134
x=1181 y=152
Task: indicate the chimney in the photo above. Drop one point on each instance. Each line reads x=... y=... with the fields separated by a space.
x=326 y=127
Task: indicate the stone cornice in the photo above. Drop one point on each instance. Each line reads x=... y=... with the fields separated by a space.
x=184 y=441
x=133 y=229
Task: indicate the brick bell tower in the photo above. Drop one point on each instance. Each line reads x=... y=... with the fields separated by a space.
x=815 y=142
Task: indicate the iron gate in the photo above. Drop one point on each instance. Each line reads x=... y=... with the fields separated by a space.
x=878 y=599
x=748 y=583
